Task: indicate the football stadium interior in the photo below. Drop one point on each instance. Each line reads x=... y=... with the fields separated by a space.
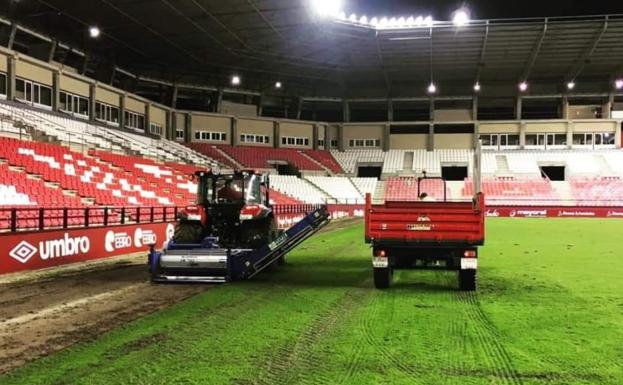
x=354 y=112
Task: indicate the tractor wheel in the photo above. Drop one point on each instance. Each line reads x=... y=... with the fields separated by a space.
x=382 y=277
x=187 y=232
x=467 y=280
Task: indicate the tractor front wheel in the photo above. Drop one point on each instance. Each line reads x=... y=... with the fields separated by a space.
x=187 y=232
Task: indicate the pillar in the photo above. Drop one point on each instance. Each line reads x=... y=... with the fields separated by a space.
x=92 y=101
x=174 y=92
x=606 y=109
x=234 y=131
x=522 y=135
x=147 y=120
x=219 y=101
x=172 y=124
x=431 y=109
x=327 y=137
x=476 y=133
x=565 y=107
x=386 y=137
x=570 y=134
x=315 y=137
x=122 y=111
x=259 y=104
x=475 y=108
x=299 y=108
x=188 y=129
x=430 y=146
x=390 y=110
x=56 y=90
x=340 y=137
x=345 y=111
x=518 y=108
x=10 y=91
x=276 y=134
x=52 y=52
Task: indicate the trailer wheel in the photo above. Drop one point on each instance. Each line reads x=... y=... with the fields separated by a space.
x=467 y=280
x=187 y=232
x=382 y=277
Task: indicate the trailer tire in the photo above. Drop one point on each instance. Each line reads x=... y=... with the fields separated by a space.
x=467 y=280
x=187 y=232
x=382 y=277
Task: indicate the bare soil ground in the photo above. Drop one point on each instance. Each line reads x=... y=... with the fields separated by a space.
x=46 y=313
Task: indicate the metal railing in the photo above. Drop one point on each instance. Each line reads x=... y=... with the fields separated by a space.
x=39 y=218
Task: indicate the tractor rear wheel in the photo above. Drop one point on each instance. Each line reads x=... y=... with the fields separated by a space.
x=467 y=280
x=382 y=277
x=187 y=232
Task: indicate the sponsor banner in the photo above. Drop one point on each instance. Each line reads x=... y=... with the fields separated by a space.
x=37 y=250
x=553 y=212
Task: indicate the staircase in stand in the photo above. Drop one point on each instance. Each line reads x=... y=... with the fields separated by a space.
x=407 y=163
x=317 y=162
x=230 y=158
x=502 y=165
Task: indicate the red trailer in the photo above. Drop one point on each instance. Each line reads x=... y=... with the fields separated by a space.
x=440 y=235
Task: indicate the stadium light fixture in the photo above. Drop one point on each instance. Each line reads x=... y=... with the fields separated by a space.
x=460 y=17
x=523 y=86
x=235 y=80
x=432 y=88
x=278 y=85
x=477 y=87
x=618 y=84
x=570 y=85
x=353 y=18
x=327 y=8
x=94 y=32
x=374 y=22
x=363 y=20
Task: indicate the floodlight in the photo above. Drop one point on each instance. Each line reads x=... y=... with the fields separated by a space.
x=278 y=85
x=235 y=80
x=460 y=18
x=618 y=84
x=94 y=32
x=327 y=8
x=571 y=85
x=523 y=86
x=432 y=88
x=477 y=87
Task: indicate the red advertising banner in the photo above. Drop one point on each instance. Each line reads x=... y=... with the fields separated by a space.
x=554 y=212
x=37 y=250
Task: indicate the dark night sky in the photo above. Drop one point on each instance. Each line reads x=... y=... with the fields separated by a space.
x=484 y=9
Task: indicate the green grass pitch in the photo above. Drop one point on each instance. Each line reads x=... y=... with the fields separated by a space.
x=549 y=310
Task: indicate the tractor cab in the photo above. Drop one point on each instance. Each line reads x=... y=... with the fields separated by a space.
x=232 y=208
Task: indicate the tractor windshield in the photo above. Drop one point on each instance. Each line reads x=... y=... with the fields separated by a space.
x=240 y=188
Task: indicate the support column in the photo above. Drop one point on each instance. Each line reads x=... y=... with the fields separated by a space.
x=122 y=111
x=345 y=111
x=386 y=137
x=340 y=137
x=518 y=108
x=431 y=137
x=169 y=132
x=327 y=137
x=52 y=52
x=234 y=131
x=476 y=133
x=10 y=89
x=259 y=105
x=219 y=100
x=276 y=134
x=390 y=110
x=522 y=135
x=12 y=35
x=617 y=135
x=565 y=107
x=570 y=126
x=431 y=109
x=147 y=121
x=92 y=101
x=315 y=137
x=299 y=108
x=606 y=109
x=188 y=128
x=475 y=108
x=56 y=90
x=174 y=97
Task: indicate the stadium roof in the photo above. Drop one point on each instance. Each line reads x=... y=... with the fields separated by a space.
x=263 y=41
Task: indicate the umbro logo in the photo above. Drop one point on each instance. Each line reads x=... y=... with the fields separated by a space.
x=23 y=251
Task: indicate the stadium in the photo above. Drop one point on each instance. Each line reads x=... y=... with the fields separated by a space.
x=310 y=192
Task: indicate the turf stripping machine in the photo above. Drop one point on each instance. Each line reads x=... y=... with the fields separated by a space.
x=230 y=234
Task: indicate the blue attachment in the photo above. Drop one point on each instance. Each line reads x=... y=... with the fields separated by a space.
x=154 y=261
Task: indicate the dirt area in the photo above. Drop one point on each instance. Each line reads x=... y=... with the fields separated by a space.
x=48 y=312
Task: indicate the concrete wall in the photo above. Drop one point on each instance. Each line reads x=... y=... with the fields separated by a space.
x=594 y=127
x=74 y=86
x=3 y=62
x=135 y=105
x=158 y=115
x=238 y=109
x=297 y=130
x=408 y=141
x=210 y=123
x=454 y=141
x=107 y=96
x=539 y=127
x=499 y=128
x=453 y=115
x=360 y=131
x=29 y=71
x=255 y=127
